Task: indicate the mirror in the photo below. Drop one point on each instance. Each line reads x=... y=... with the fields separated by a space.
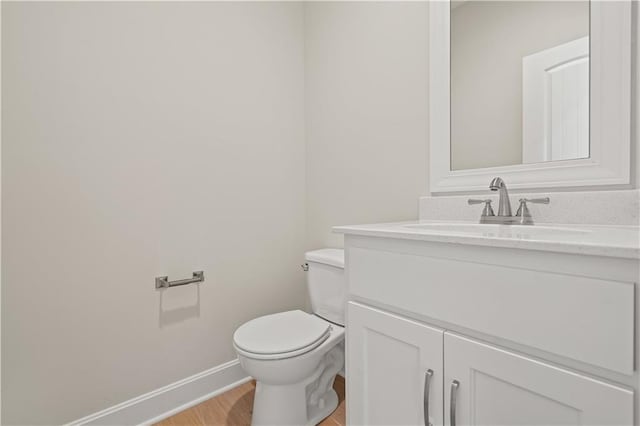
x=519 y=82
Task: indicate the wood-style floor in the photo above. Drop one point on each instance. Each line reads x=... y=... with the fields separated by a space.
x=234 y=408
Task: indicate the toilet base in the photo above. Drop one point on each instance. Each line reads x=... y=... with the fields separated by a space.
x=317 y=414
x=286 y=405
x=303 y=403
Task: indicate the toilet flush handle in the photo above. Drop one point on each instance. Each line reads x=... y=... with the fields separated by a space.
x=305 y=267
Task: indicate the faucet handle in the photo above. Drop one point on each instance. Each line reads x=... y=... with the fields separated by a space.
x=472 y=201
x=488 y=210
x=544 y=200
x=523 y=211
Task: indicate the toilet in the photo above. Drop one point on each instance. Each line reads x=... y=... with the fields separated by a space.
x=295 y=356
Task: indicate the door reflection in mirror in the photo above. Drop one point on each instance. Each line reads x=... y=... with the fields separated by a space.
x=519 y=82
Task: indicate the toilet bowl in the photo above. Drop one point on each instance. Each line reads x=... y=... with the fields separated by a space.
x=294 y=356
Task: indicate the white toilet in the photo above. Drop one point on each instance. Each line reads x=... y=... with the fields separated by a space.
x=295 y=356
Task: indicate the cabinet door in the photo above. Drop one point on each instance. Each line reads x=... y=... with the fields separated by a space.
x=498 y=387
x=394 y=369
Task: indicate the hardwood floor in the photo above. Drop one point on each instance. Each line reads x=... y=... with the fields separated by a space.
x=234 y=408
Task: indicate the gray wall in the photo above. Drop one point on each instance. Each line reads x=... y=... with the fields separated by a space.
x=143 y=139
x=366 y=110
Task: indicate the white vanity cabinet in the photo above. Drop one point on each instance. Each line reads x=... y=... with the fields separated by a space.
x=400 y=369
x=491 y=335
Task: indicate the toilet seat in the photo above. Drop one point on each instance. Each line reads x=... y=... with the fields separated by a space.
x=281 y=335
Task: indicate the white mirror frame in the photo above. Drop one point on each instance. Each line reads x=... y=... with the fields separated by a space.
x=610 y=111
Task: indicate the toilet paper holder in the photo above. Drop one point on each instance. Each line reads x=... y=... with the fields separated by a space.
x=163 y=282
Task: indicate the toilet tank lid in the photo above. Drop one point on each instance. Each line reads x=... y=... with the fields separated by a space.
x=328 y=256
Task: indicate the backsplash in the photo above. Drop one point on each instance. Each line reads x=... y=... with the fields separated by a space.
x=589 y=207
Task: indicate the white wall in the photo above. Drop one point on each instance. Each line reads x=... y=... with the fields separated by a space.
x=366 y=111
x=488 y=41
x=143 y=139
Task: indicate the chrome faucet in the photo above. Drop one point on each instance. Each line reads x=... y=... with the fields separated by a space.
x=505 y=216
x=504 y=204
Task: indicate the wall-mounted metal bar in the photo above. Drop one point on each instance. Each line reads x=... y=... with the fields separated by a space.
x=163 y=282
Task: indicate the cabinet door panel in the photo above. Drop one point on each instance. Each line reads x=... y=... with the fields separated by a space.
x=387 y=364
x=498 y=387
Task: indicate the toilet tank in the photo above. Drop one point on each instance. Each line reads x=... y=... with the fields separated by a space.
x=326 y=282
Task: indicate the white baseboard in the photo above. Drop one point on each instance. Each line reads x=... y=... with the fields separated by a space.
x=171 y=399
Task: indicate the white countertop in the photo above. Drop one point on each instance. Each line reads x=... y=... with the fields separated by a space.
x=596 y=240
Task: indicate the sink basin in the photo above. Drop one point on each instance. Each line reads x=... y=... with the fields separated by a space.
x=505 y=231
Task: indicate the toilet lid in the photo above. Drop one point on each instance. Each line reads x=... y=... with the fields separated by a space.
x=283 y=332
